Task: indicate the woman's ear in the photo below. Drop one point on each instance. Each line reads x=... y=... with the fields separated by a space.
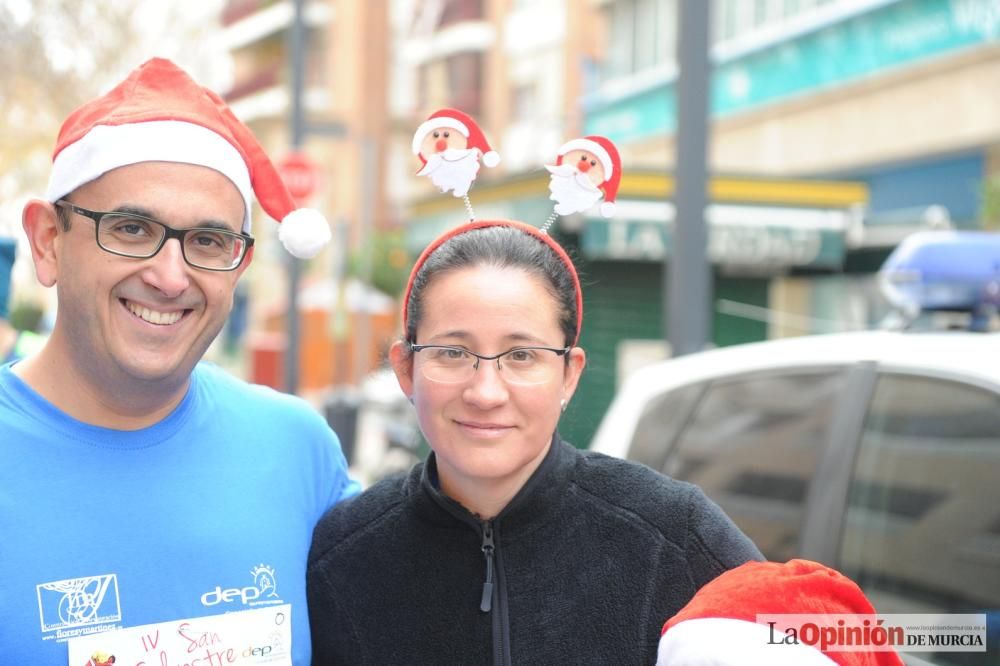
x=41 y=225
x=577 y=361
x=401 y=361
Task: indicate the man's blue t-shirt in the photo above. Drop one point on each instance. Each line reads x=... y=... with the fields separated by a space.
x=207 y=512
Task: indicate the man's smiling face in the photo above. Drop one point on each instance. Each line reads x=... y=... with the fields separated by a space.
x=145 y=319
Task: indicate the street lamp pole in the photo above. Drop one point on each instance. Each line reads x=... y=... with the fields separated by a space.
x=688 y=273
x=297 y=130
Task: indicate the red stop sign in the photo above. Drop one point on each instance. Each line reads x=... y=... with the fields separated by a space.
x=300 y=174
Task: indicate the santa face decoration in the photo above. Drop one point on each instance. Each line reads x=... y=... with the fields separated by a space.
x=450 y=144
x=448 y=163
x=586 y=170
x=442 y=140
x=586 y=162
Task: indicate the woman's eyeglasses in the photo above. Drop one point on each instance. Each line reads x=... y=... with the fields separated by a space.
x=521 y=365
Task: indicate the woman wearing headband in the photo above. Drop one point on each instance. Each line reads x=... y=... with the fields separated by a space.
x=508 y=545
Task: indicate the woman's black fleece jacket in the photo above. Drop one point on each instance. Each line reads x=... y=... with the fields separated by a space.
x=583 y=566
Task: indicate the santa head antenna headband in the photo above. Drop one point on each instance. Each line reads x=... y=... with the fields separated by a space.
x=587 y=170
x=450 y=144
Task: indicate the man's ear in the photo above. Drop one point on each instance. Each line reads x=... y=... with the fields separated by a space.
x=40 y=221
x=402 y=364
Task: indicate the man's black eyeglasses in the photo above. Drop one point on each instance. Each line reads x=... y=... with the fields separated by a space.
x=131 y=235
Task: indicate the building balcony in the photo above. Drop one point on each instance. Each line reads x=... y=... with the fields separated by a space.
x=246 y=22
x=465 y=37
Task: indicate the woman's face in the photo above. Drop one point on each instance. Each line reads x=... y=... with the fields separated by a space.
x=487 y=429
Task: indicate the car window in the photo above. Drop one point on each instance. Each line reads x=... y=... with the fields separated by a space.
x=922 y=530
x=752 y=444
x=661 y=419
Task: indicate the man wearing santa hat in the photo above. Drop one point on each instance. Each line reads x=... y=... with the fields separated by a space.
x=191 y=481
x=449 y=144
x=586 y=170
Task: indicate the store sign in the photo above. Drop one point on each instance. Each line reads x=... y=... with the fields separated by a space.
x=749 y=237
x=300 y=174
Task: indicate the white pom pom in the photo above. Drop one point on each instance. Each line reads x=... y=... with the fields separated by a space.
x=608 y=209
x=491 y=158
x=304 y=232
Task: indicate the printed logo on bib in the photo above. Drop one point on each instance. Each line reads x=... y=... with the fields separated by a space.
x=263 y=592
x=78 y=606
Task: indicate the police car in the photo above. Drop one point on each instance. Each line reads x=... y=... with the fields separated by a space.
x=875 y=452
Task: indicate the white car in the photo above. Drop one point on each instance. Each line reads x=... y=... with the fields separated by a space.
x=877 y=453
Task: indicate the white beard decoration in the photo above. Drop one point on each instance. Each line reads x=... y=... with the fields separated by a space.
x=454 y=169
x=572 y=190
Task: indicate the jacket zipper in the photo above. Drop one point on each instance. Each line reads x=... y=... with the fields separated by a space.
x=486 y=602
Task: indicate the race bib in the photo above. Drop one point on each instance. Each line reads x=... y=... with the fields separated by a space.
x=257 y=636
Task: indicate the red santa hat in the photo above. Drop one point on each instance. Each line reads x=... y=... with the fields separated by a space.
x=718 y=626
x=159 y=114
x=612 y=163
x=464 y=124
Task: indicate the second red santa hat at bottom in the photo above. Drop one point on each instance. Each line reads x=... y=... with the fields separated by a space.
x=718 y=626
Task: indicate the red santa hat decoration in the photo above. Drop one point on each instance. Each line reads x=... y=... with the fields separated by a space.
x=718 y=626
x=607 y=153
x=159 y=114
x=464 y=125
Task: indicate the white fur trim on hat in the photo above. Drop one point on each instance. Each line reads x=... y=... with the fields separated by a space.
x=491 y=158
x=304 y=232
x=428 y=126
x=590 y=147
x=107 y=147
x=608 y=209
x=717 y=641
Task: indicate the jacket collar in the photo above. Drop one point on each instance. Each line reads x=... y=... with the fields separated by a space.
x=533 y=505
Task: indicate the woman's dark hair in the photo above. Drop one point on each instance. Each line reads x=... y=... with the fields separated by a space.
x=500 y=247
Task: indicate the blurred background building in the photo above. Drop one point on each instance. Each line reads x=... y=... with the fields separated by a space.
x=837 y=128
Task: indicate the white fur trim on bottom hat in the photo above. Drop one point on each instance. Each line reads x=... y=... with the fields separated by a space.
x=491 y=158
x=727 y=642
x=304 y=232
x=608 y=209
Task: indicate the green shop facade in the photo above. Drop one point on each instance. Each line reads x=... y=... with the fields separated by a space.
x=760 y=231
